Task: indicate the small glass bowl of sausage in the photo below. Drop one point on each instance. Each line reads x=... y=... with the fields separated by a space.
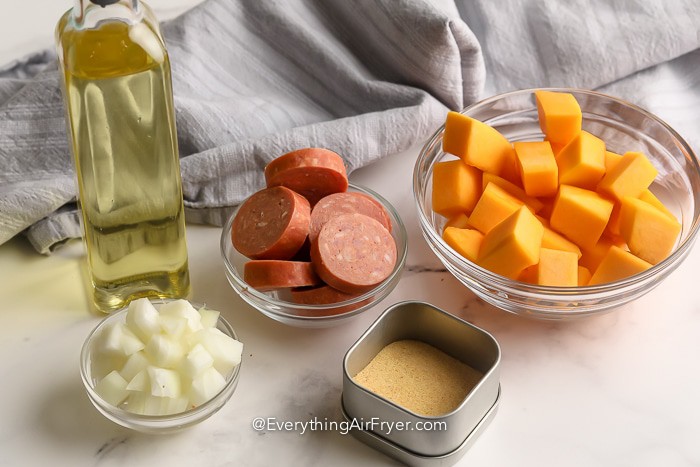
x=313 y=266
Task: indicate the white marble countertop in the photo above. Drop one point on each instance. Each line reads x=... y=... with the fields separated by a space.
x=614 y=390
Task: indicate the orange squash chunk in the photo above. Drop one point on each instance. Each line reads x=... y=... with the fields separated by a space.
x=582 y=162
x=584 y=276
x=466 y=242
x=538 y=168
x=512 y=245
x=461 y=221
x=493 y=207
x=557 y=268
x=629 y=177
x=456 y=188
x=592 y=256
x=559 y=115
x=650 y=233
x=611 y=160
x=513 y=189
x=478 y=144
x=555 y=241
x=574 y=208
x=650 y=198
x=618 y=264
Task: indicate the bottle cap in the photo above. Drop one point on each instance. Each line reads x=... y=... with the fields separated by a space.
x=103 y=3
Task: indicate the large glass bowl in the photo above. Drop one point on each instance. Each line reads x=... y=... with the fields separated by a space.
x=152 y=424
x=276 y=305
x=623 y=127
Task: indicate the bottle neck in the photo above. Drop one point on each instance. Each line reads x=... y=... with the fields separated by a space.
x=88 y=13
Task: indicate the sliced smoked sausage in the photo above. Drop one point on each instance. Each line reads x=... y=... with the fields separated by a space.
x=353 y=253
x=311 y=172
x=346 y=203
x=271 y=224
x=265 y=275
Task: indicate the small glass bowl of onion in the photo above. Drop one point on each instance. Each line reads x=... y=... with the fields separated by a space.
x=161 y=366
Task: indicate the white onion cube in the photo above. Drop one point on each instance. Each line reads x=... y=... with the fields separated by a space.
x=146 y=404
x=205 y=386
x=112 y=388
x=225 y=350
x=164 y=382
x=209 y=318
x=134 y=364
x=182 y=309
x=117 y=339
x=173 y=326
x=196 y=361
x=140 y=382
x=142 y=318
x=164 y=352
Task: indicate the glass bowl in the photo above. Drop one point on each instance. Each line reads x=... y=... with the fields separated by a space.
x=623 y=127
x=275 y=304
x=152 y=424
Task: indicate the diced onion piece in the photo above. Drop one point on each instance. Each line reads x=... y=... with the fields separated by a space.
x=196 y=361
x=164 y=351
x=117 y=339
x=146 y=404
x=112 y=388
x=205 y=386
x=142 y=318
x=140 y=382
x=182 y=309
x=134 y=364
x=164 y=382
x=225 y=350
x=174 y=326
x=209 y=318
x=103 y=364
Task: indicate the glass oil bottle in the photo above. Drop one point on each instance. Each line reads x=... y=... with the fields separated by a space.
x=121 y=125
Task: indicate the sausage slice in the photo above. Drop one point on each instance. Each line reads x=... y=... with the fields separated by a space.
x=271 y=224
x=353 y=253
x=265 y=275
x=346 y=203
x=312 y=172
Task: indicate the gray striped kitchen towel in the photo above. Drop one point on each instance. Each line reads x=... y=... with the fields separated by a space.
x=254 y=79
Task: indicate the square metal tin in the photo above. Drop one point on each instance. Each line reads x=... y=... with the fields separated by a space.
x=454 y=336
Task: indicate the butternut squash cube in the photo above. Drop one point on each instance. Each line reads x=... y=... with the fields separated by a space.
x=650 y=198
x=477 y=144
x=581 y=215
x=461 y=221
x=650 y=233
x=611 y=160
x=613 y=227
x=466 y=242
x=492 y=208
x=556 y=147
x=533 y=203
x=591 y=257
x=617 y=264
x=557 y=268
x=537 y=167
x=629 y=177
x=512 y=245
x=529 y=275
x=559 y=114
x=555 y=241
x=584 y=276
x=456 y=188
x=582 y=162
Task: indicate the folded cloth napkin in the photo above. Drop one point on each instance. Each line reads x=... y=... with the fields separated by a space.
x=255 y=79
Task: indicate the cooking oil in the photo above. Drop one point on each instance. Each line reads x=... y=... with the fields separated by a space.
x=121 y=124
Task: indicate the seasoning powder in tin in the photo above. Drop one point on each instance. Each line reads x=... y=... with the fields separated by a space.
x=419 y=377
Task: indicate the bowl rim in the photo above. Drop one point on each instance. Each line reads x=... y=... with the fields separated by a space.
x=135 y=418
x=398 y=232
x=552 y=291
